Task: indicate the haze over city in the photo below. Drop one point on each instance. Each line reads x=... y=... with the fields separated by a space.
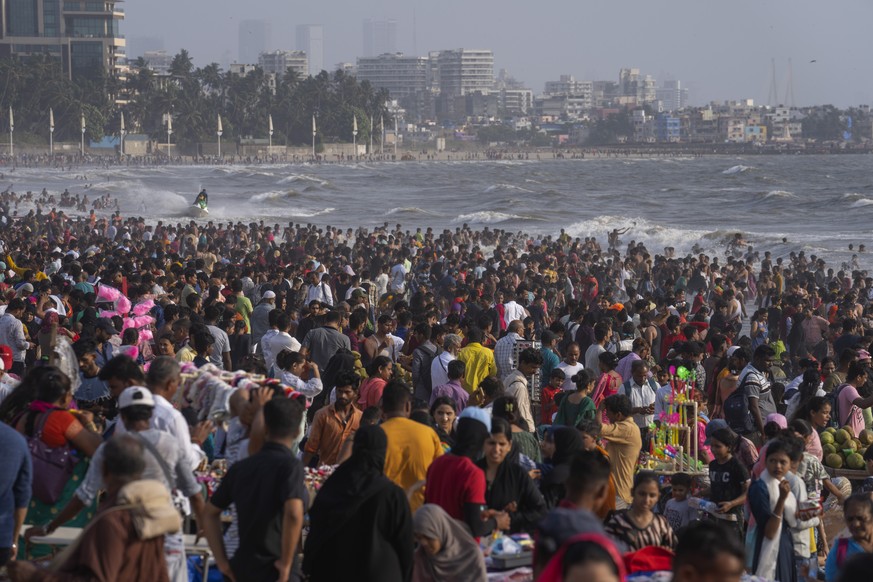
x=719 y=50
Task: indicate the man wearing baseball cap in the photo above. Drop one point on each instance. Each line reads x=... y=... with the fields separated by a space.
x=164 y=462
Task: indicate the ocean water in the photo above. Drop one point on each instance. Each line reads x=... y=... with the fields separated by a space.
x=820 y=204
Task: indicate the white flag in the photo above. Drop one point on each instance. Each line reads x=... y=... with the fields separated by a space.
x=270 y=119
x=83 y=123
x=122 y=121
x=169 y=122
x=11 y=120
x=219 y=123
x=51 y=118
x=354 y=123
x=313 y=123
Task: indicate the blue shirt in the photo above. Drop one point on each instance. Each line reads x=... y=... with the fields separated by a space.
x=832 y=569
x=91 y=389
x=15 y=480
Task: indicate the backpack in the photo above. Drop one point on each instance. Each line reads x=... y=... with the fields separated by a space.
x=834 y=400
x=424 y=377
x=736 y=410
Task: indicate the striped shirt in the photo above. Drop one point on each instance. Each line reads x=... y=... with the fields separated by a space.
x=658 y=533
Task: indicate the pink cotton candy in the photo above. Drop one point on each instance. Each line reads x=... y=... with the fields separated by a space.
x=146 y=335
x=109 y=314
x=143 y=308
x=123 y=305
x=107 y=293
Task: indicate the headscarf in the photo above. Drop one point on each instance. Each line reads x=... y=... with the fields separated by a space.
x=554 y=570
x=353 y=483
x=459 y=557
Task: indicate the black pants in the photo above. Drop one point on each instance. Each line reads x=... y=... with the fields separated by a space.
x=5 y=556
x=18 y=369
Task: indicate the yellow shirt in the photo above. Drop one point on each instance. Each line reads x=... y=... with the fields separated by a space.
x=412 y=447
x=480 y=364
x=623 y=444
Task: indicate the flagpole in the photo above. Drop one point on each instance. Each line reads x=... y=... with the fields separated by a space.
x=11 y=130
x=395 y=136
x=122 y=132
x=355 y=136
x=169 y=133
x=370 y=149
x=381 y=135
x=219 y=132
x=270 y=119
x=51 y=132
x=82 y=145
x=313 y=136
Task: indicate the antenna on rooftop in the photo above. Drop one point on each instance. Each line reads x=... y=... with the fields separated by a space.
x=773 y=95
x=789 y=87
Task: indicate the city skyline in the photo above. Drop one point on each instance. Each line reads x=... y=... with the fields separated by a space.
x=719 y=51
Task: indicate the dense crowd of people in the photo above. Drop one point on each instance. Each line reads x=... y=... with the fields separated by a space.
x=466 y=393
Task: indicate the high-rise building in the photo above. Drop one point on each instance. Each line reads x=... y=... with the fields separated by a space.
x=672 y=95
x=310 y=39
x=400 y=75
x=634 y=88
x=158 y=61
x=82 y=34
x=279 y=62
x=465 y=71
x=380 y=37
x=254 y=39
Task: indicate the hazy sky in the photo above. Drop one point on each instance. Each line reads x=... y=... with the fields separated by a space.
x=720 y=50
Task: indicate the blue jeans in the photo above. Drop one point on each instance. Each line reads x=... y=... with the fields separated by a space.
x=812 y=562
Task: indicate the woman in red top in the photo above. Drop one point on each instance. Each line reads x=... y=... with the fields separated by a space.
x=379 y=372
x=457 y=485
x=609 y=381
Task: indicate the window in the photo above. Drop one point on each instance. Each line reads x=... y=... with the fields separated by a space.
x=22 y=20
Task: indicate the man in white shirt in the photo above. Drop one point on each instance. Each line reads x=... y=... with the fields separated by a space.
x=398 y=279
x=439 y=368
x=319 y=289
x=571 y=366
x=641 y=390
x=516 y=384
x=162 y=380
x=279 y=339
x=12 y=334
x=513 y=311
x=505 y=346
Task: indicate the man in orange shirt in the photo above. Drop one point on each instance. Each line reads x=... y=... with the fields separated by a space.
x=334 y=424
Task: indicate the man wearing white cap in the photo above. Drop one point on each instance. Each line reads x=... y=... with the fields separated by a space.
x=164 y=462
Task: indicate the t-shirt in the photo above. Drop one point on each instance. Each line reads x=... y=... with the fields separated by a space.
x=727 y=479
x=757 y=385
x=592 y=356
x=623 y=445
x=453 y=481
x=412 y=447
x=259 y=486
x=812 y=472
x=569 y=372
x=850 y=415
x=679 y=513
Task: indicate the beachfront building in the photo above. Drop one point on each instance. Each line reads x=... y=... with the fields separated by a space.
x=407 y=79
x=667 y=128
x=465 y=71
x=279 y=62
x=82 y=34
x=636 y=89
x=515 y=101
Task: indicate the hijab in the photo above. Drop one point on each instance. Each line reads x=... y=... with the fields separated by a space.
x=459 y=557
x=353 y=483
